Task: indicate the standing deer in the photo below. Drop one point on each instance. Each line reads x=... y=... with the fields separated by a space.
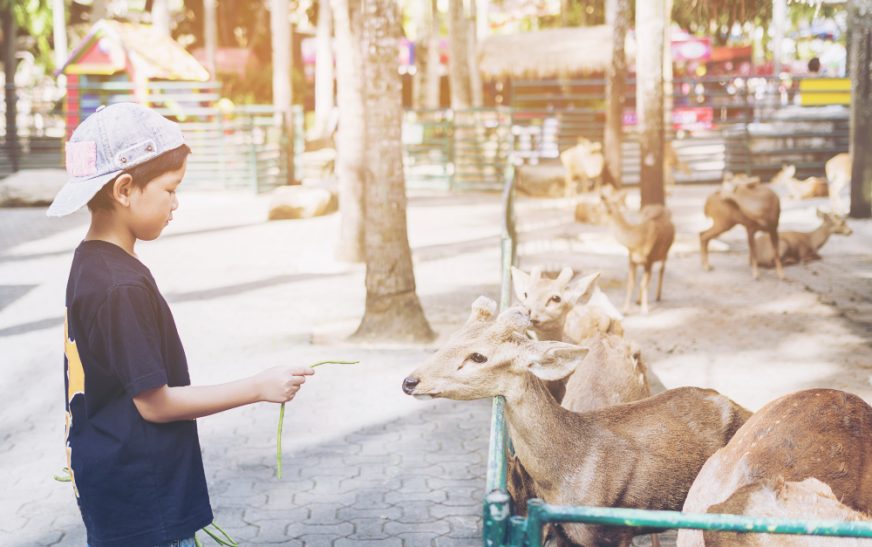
x=643 y=454
x=584 y=160
x=796 y=247
x=648 y=242
x=838 y=170
x=812 y=187
x=672 y=162
x=820 y=433
x=742 y=200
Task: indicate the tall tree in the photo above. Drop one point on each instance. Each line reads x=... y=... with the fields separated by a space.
x=323 y=69
x=618 y=19
x=59 y=31
x=650 y=22
x=160 y=16
x=860 y=56
x=10 y=39
x=458 y=56
x=434 y=65
x=475 y=88
x=210 y=34
x=280 y=27
x=347 y=19
x=393 y=311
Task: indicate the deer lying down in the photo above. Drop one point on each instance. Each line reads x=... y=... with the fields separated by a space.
x=796 y=247
x=779 y=499
x=584 y=160
x=838 y=170
x=812 y=187
x=643 y=454
x=820 y=433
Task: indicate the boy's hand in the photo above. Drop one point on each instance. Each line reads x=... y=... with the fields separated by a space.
x=281 y=384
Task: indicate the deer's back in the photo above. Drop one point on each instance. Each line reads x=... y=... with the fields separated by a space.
x=821 y=433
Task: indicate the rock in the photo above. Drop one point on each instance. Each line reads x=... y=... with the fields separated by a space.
x=31 y=187
x=542 y=181
x=291 y=202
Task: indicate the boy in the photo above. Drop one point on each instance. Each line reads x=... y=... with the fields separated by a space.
x=131 y=439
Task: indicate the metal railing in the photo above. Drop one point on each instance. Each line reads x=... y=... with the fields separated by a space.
x=501 y=529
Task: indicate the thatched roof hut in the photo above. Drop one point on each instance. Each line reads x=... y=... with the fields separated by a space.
x=559 y=52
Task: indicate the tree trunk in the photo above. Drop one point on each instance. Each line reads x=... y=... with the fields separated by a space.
x=160 y=17
x=324 y=70
x=476 y=92
x=350 y=134
x=618 y=19
x=393 y=311
x=10 y=96
x=779 y=21
x=210 y=33
x=860 y=21
x=434 y=65
x=650 y=20
x=458 y=56
x=280 y=28
x=423 y=27
x=59 y=31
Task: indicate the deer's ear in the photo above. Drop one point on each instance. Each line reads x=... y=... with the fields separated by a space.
x=583 y=287
x=520 y=282
x=514 y=320
x=552 y=361
x=483 y=309
x=565 y=276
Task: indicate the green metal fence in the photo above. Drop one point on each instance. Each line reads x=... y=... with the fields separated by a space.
x=501 y=529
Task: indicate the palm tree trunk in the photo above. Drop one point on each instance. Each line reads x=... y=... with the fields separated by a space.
x=350 y=134
x=160 y=17
x=458 y=56
x=323 y=70
x=393 y=311
x=210 y=33
x=650 y=20
x=280 y=27
x=860 y=22
x=618 y=18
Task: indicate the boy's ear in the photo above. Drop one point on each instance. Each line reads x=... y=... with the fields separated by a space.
x=552 y=361
x=122 y=188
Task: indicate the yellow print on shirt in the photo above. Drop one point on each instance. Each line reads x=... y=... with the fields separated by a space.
x=75 y=386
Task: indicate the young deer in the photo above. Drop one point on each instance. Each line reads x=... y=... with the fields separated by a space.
x=584 y=160
x=821 y=433
x=784 y=499
x=647 y=242
x=796 y=247
x=838 y=170
x=641 y=454
x=556 y=308
x=812 y=187
x=744 y=201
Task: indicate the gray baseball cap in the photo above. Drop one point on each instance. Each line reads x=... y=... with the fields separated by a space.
x=111 y=140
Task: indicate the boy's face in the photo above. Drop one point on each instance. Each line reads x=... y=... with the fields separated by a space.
x=151 y=207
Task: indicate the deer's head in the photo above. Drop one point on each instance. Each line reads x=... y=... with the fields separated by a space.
x=787 y=172
x=549 y=301
x=614 y=201
x=491 y=355
x=835 y=222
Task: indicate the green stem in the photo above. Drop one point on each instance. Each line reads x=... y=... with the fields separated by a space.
x=282 y=415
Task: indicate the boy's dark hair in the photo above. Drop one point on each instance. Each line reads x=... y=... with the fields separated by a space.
x=814 y=65
x=142 y=174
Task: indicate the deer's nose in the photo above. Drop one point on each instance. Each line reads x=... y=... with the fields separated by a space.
x=409 y=385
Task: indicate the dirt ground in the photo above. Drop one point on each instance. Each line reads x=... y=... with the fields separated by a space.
x=751 y=340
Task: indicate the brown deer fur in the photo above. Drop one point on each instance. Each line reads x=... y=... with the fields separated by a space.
x=796 y=247
x=643 y=454
x=820 y=433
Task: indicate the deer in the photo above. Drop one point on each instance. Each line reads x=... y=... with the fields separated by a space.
x=838 y=170
x=584 y=160
x=784 y=499
x=643 y=454
x=812 y=187
x=648 y=242
x=820 y=433
x=742 y=201
x=801 y=247
x=672 y=162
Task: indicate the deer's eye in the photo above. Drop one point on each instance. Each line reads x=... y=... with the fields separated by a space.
x=477 y=357
x=555 y=299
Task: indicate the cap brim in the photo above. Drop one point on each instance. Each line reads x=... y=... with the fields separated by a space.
x=76 y=193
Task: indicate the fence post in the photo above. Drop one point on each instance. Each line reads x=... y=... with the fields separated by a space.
x=534 y=522
x=496 y=518
x=253 y=152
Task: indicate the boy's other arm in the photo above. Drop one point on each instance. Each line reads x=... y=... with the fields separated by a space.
x=171 y=404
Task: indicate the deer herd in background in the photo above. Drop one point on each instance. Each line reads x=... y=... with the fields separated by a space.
x=592 y=425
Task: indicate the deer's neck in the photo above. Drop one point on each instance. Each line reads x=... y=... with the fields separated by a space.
x=553 y=330
x=818 y=237
x=623 y=230
x=542 y=432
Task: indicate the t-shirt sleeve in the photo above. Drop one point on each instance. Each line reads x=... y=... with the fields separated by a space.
x=129 y=323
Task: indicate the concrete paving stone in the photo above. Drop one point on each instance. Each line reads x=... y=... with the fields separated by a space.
x=389 y=457
x=416 y=484
x=369 y=528
x=416 y=511
x=233 y=516
x=464 y=526
x=254 y=515
x=446 y=483
x=316 y=471
x=362 y=542
x=441 y=511
x=461 y=470
x=272 y=531
x=359 y=513
x=11 y=522
x=365 y=482
x=250 y=500
x=403 y=496
x=371 y=498
x=433 y=527
x=448 y=541
x=243 y=535
x=298 y=529
x=318 y=497
x=464 y=495
x=417 y=539
x=275 y=486
x=315 y=540
x=231 y=489
x=324 y=513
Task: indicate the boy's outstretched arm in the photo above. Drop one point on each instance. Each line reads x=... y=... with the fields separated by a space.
x=171 y=404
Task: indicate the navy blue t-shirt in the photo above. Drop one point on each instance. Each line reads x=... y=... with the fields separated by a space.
x=137 y=482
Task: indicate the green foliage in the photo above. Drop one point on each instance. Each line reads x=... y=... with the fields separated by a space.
x=34 y=21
